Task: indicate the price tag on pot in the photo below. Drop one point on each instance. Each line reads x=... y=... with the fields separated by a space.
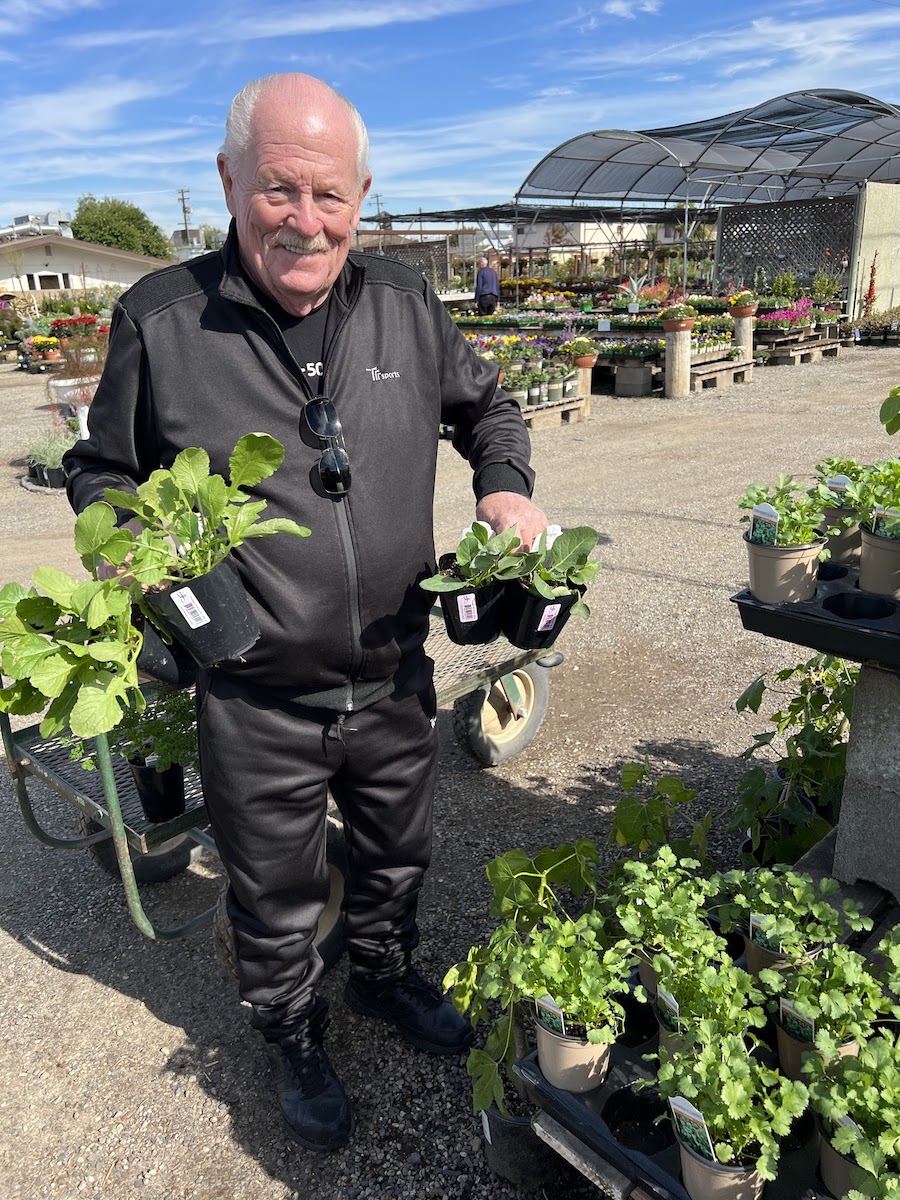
x=763 y=525
x=802 y=1029
x=838 y=483
x=548 y=617
x=690 y=1125
x=190 y=608
x=486 y=1127
x=467 y=608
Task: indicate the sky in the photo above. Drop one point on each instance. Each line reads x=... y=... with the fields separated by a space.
x=462 y=98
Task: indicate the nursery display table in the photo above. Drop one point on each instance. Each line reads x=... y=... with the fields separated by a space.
x=515 y=688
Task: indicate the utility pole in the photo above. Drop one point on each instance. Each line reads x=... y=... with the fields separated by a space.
x=184 y=195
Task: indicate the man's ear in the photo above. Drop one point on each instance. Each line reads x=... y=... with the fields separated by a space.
x=227 y=182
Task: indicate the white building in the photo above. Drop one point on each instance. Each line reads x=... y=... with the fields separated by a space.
x=52 y=262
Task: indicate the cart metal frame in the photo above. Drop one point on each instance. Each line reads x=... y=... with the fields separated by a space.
x=108 y=797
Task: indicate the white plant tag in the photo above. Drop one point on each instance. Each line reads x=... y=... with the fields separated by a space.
x=802 y=1029
x=467 y=608
x=548 y=1013
x=691 y=1126
x=669 y=1009
x=486 y=1127
x=838 y=483
x=763 y=525
x=848 y=1123
x=190 y=608
x=885 y=521
x=553 y=532
x=603 y=324
x=758 y=934
x=548 y=618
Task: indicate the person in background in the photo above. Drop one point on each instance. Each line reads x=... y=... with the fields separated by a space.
x=487 y=289
x=351 y=361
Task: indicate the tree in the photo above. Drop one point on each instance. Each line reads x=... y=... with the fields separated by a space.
x=111 y=222
x=213 y=236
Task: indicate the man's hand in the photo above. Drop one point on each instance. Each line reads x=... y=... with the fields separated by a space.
x=502 y=509
x=108 y=571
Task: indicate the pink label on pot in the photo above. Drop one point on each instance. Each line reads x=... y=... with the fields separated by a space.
x=467 y=607
x=548 y=620
x=190 y=608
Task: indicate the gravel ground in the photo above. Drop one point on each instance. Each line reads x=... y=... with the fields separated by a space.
x=127 y=1066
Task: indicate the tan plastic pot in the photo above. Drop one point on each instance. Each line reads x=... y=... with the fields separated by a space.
x=758 y=957
x=879 y=565
x=646 y=973
x=571 y=1064
x=840 y=1174
x=844 y=546
x=783 y=574
x=791 y=1051
x=705 y=1180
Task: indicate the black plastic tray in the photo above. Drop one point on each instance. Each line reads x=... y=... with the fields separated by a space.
x=658 y=1173
x=818 y=623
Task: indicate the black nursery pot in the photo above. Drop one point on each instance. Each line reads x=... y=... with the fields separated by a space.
x=514 y=1151
x=472 y=615
x=55 y=476
x=533 y=622
x=210 y=615
x=161 y=793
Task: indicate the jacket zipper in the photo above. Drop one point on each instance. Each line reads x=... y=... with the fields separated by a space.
x=342 y=514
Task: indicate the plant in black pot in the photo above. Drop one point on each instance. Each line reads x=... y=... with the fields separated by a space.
x=158 y=744
x=178 y=563
x=470 y=583
x=549 y=587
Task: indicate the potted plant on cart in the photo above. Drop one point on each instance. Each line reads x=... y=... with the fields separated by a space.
x=856 y=1100
x=470 y=583
x=178 y=564
x=548 y=587
x=489 y=987
x=876 y=498
x=729 y=1111
x=743 y=303
x=696 y=987
x=783 y=915
x=828 y=1005
x=159 y=743
x=833 y=477
x=784 y=542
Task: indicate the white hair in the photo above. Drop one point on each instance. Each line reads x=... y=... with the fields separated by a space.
x=240 y=119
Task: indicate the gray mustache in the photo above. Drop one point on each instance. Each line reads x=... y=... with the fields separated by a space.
x=305 y=245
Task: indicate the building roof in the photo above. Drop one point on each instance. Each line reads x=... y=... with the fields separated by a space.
x=549 y=213
x=798 y=146
x=54 y=239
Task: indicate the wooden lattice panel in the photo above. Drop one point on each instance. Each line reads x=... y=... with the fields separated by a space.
x=800 y=236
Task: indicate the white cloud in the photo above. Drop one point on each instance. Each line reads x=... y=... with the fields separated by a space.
x=630 y=9
x=82 y=108
x=18 y=17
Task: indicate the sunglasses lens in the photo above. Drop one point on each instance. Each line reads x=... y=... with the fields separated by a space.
x=323 y=420
x=334 y=471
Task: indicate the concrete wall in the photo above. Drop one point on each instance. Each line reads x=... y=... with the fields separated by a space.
x=879 y=229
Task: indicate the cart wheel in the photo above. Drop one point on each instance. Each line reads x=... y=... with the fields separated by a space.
x=156 y=866
x=330 y=935
x=488 y=729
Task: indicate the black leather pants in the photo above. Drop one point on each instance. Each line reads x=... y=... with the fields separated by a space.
x=266 y=765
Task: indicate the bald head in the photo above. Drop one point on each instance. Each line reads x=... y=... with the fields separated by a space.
x=304 y=94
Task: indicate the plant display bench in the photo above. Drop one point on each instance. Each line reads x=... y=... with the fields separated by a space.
x=557 y=412
x=639 y=1160
x=719 y=372
x=500 y=696
x=809 y=350
x=842 y=620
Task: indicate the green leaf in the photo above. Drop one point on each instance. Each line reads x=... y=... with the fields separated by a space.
x=10 y=595
x=21 y=698
x=56 y=584
x=190 y=469
x=95 y=711
x=23 y=655
x=254 y=458
x=276 y=525
x=572 y=547
x=53 y=674
x=488 y=1086
x=752 y=696
x=93 y=529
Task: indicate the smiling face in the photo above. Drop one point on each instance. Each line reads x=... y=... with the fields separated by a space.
x=295 y=193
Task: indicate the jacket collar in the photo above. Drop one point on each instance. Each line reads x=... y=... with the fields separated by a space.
x=234 y=284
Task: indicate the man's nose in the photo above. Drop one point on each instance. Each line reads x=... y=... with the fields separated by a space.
x=304 y=216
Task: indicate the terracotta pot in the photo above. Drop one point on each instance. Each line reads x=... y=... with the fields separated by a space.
x=743 y=310
x=585 y=360
x=783 y=574
x=677 y=326
x=791 y=1051
x=879 y=565
x=571 y=1064
x=705 y=1180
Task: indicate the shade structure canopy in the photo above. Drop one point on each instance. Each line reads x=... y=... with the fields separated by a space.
x=547 y=213
x=799 y=146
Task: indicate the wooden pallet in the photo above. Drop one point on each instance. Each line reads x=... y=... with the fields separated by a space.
x=719 y=374
x=789 y=356
x=560 y=412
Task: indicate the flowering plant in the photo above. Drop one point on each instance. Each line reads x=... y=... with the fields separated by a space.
x=41 y=344
x=678 y=312
x=742 y=299
x=73 y=326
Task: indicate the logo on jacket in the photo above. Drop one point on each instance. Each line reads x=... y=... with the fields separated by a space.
x=376 y=374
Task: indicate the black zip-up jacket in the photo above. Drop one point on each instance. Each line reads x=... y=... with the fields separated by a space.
x=196 y=360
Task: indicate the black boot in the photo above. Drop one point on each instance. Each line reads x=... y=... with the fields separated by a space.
x=316 y=1110
x=417 y=1009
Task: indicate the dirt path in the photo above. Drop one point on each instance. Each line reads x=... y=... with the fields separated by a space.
x=126 y=1067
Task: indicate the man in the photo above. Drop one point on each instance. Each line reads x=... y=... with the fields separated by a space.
x=487 y=288
x=351 y=362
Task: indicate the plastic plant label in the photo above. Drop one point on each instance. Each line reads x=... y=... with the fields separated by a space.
x=669 y=1009
x=548 y=1013
x=763 y=525
x=759 y=935
x=603 y=324
x=190 y=608
x=467 y=608
x=886 y=521
x=548 y=617
x=802 y=1029
x=838 y=483
x=690 y=1124
x=848 y=1123
x=486 y=1127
